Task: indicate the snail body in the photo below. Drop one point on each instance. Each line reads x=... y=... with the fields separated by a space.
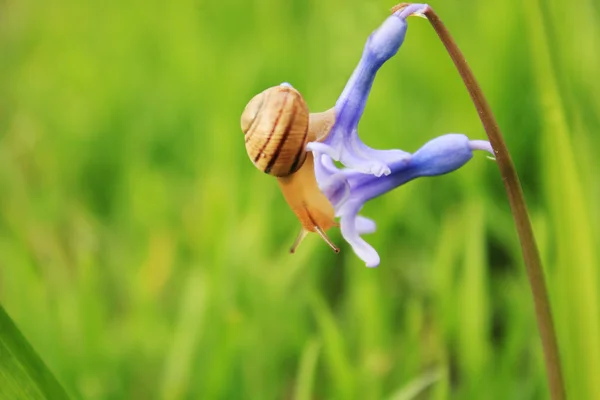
x=277 y=126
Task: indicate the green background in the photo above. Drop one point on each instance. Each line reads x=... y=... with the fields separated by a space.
x=143 y=256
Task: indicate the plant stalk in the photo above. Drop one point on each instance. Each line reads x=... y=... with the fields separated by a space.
x=518 y=207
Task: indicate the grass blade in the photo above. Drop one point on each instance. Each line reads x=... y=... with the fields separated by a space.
x=417 y=386
x=335 y=357
x=576 y=258
x=307 y=371
x=23 y=375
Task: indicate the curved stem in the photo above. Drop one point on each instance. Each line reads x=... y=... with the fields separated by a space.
x=516 y=199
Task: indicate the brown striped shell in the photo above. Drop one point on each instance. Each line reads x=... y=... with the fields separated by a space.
x=275 y=125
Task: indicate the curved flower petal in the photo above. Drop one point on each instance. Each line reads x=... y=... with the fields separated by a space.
x=386 y=156
x=351 y=155
x=482 y=145
x=413 y=9
x=324 y=166
x=336 y=188
x=365 y=225
x=350 y=232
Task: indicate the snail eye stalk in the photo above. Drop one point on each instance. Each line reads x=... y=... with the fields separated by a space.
x=304 y=232
x=327 y=240
x=298 y=240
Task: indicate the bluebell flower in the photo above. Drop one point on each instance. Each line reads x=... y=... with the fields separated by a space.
x=348 y=190
x=342 y=143
x=369 y=173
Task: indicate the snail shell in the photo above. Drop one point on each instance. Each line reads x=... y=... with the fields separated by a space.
x=275 y=124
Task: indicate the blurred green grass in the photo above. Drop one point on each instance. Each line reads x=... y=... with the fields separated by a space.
x=144 y=257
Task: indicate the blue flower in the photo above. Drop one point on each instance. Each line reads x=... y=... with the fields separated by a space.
x=369 y=173
x=348 y=190
x=343 y=144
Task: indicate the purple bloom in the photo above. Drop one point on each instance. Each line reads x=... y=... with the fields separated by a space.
x=371 y=173
x=348 y=190
x=343 y=143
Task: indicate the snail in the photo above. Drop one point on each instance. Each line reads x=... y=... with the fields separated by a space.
x=277 y=126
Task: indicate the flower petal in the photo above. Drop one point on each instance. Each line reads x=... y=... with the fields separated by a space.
x=413 y=9
x=351 y=155
x=482 y=145
x=324 y=166
x=365 y=225
x=336 y=188
x=351 y=233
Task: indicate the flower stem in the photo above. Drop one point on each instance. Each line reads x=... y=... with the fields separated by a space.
x=516 y=199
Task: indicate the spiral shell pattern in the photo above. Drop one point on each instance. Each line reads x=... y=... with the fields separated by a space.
x=275 y=126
